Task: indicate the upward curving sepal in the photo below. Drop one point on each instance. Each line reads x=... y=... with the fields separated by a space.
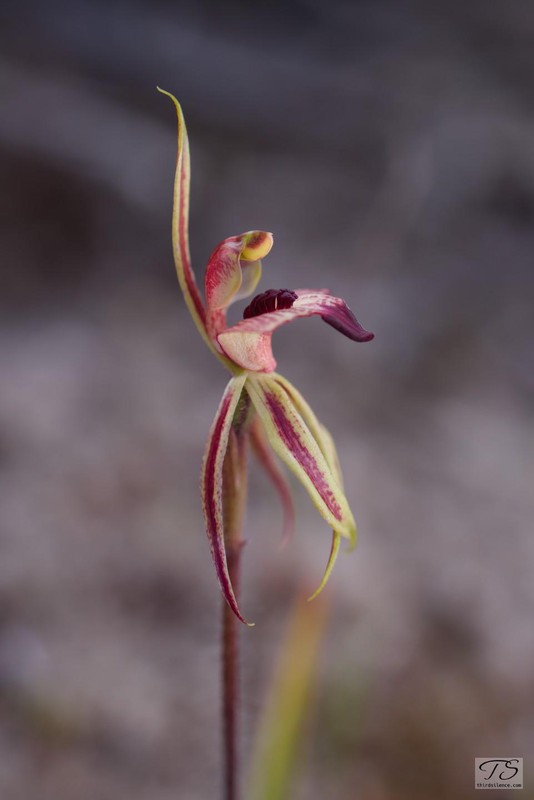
x=211 y=486
x=293 y=442
x=180 y=231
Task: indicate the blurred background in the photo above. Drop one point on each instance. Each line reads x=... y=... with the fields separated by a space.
x=390 y=148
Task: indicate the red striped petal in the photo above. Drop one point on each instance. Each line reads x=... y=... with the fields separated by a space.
x=328 y=449
x=212 y=486
x=293 y=442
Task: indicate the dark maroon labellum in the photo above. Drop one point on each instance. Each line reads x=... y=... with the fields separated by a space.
x=271 y=300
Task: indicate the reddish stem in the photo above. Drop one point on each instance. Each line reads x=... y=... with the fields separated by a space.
x=230 y=686
x=234 y=497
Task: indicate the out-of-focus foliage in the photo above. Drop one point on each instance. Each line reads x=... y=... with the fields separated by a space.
x=287 y=704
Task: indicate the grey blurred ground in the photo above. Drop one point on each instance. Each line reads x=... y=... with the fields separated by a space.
x=390 y=147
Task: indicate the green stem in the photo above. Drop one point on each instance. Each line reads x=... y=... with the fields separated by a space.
x=234 y=499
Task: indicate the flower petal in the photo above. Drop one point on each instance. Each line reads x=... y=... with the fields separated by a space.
x=211 y=485
x=334 y=550
x=234 y=268
x=266 y=459
x=249 y=350
x=317 y=429
x=328 y=448
x=180 y=227
x=249 y=342
x=292 y=441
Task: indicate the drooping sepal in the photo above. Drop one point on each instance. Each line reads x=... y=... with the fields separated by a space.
x=212 y=486
x=320 y=433
x=293 y=442
x=334 y=551
x=328 y=448
x=266 y=458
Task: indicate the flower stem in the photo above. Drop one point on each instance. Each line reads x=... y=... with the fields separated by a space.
x=234 y=499
x=230 y=688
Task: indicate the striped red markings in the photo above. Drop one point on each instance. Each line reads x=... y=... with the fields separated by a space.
x=298 y=449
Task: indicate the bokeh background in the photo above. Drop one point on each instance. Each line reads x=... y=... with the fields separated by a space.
x=390 y=148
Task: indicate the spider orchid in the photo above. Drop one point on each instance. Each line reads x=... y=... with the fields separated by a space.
x=258 y=404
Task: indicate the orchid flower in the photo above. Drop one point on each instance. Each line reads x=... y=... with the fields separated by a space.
x=257 y=402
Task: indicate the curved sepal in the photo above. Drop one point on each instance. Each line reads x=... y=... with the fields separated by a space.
x=249 y=342
x=312 y=422
x=328 y=448
x=334 y=550
x=292 y=441
x=319 y=431
x=180 y=232
x=212 y=486
x=265 y=456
